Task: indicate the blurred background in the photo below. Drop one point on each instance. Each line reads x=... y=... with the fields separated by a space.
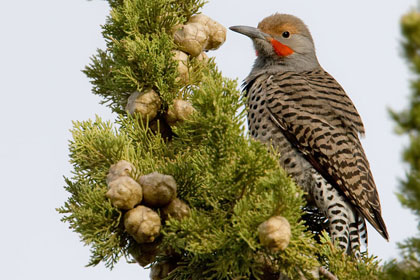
x=45 y=45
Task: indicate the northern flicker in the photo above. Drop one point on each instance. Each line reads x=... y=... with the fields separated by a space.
x=298 y=108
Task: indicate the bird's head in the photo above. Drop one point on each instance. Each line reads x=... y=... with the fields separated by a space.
x=282 y=39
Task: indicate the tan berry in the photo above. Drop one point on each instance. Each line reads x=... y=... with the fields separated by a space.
x=158 y=189
x=192 y=38
x=217 y=32
x=146 y=103
x=145 y=253
x=179 y=111
x=203 y=57
x=124 y=193
x=177 y=209
x=275 y=233
x=121 y=168
x=143 y=224
x=182 y=59
x=161 y=270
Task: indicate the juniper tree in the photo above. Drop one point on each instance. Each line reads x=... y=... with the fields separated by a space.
x=230 y=183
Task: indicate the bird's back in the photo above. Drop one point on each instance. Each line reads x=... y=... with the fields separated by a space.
x=314 y=125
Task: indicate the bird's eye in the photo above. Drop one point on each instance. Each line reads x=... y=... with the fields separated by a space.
x=286 y=34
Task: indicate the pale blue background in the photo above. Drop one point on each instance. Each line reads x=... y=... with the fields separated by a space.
x=44 y=45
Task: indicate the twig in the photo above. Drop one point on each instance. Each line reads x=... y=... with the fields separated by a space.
x=324 y=272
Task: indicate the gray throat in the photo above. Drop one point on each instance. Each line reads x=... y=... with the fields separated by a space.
x=296 y=63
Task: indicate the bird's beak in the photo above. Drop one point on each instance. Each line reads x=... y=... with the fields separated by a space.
x=251 y=32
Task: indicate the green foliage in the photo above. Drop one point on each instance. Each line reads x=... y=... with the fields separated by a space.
x=94 y=148
x=408 y=122
x=98 y=224
x=138 y=63
x=408 y=269
x=345 y=266
x=89 y=212
x=139 y=50
x=238 y=186
x=231 y=183
x=148 y=17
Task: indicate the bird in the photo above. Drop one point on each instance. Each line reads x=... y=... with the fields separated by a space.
x=300 y=110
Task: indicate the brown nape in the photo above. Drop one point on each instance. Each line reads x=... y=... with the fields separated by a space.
x=278 y=23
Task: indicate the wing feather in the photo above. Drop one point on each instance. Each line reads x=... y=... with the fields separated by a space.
x=322 y=123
